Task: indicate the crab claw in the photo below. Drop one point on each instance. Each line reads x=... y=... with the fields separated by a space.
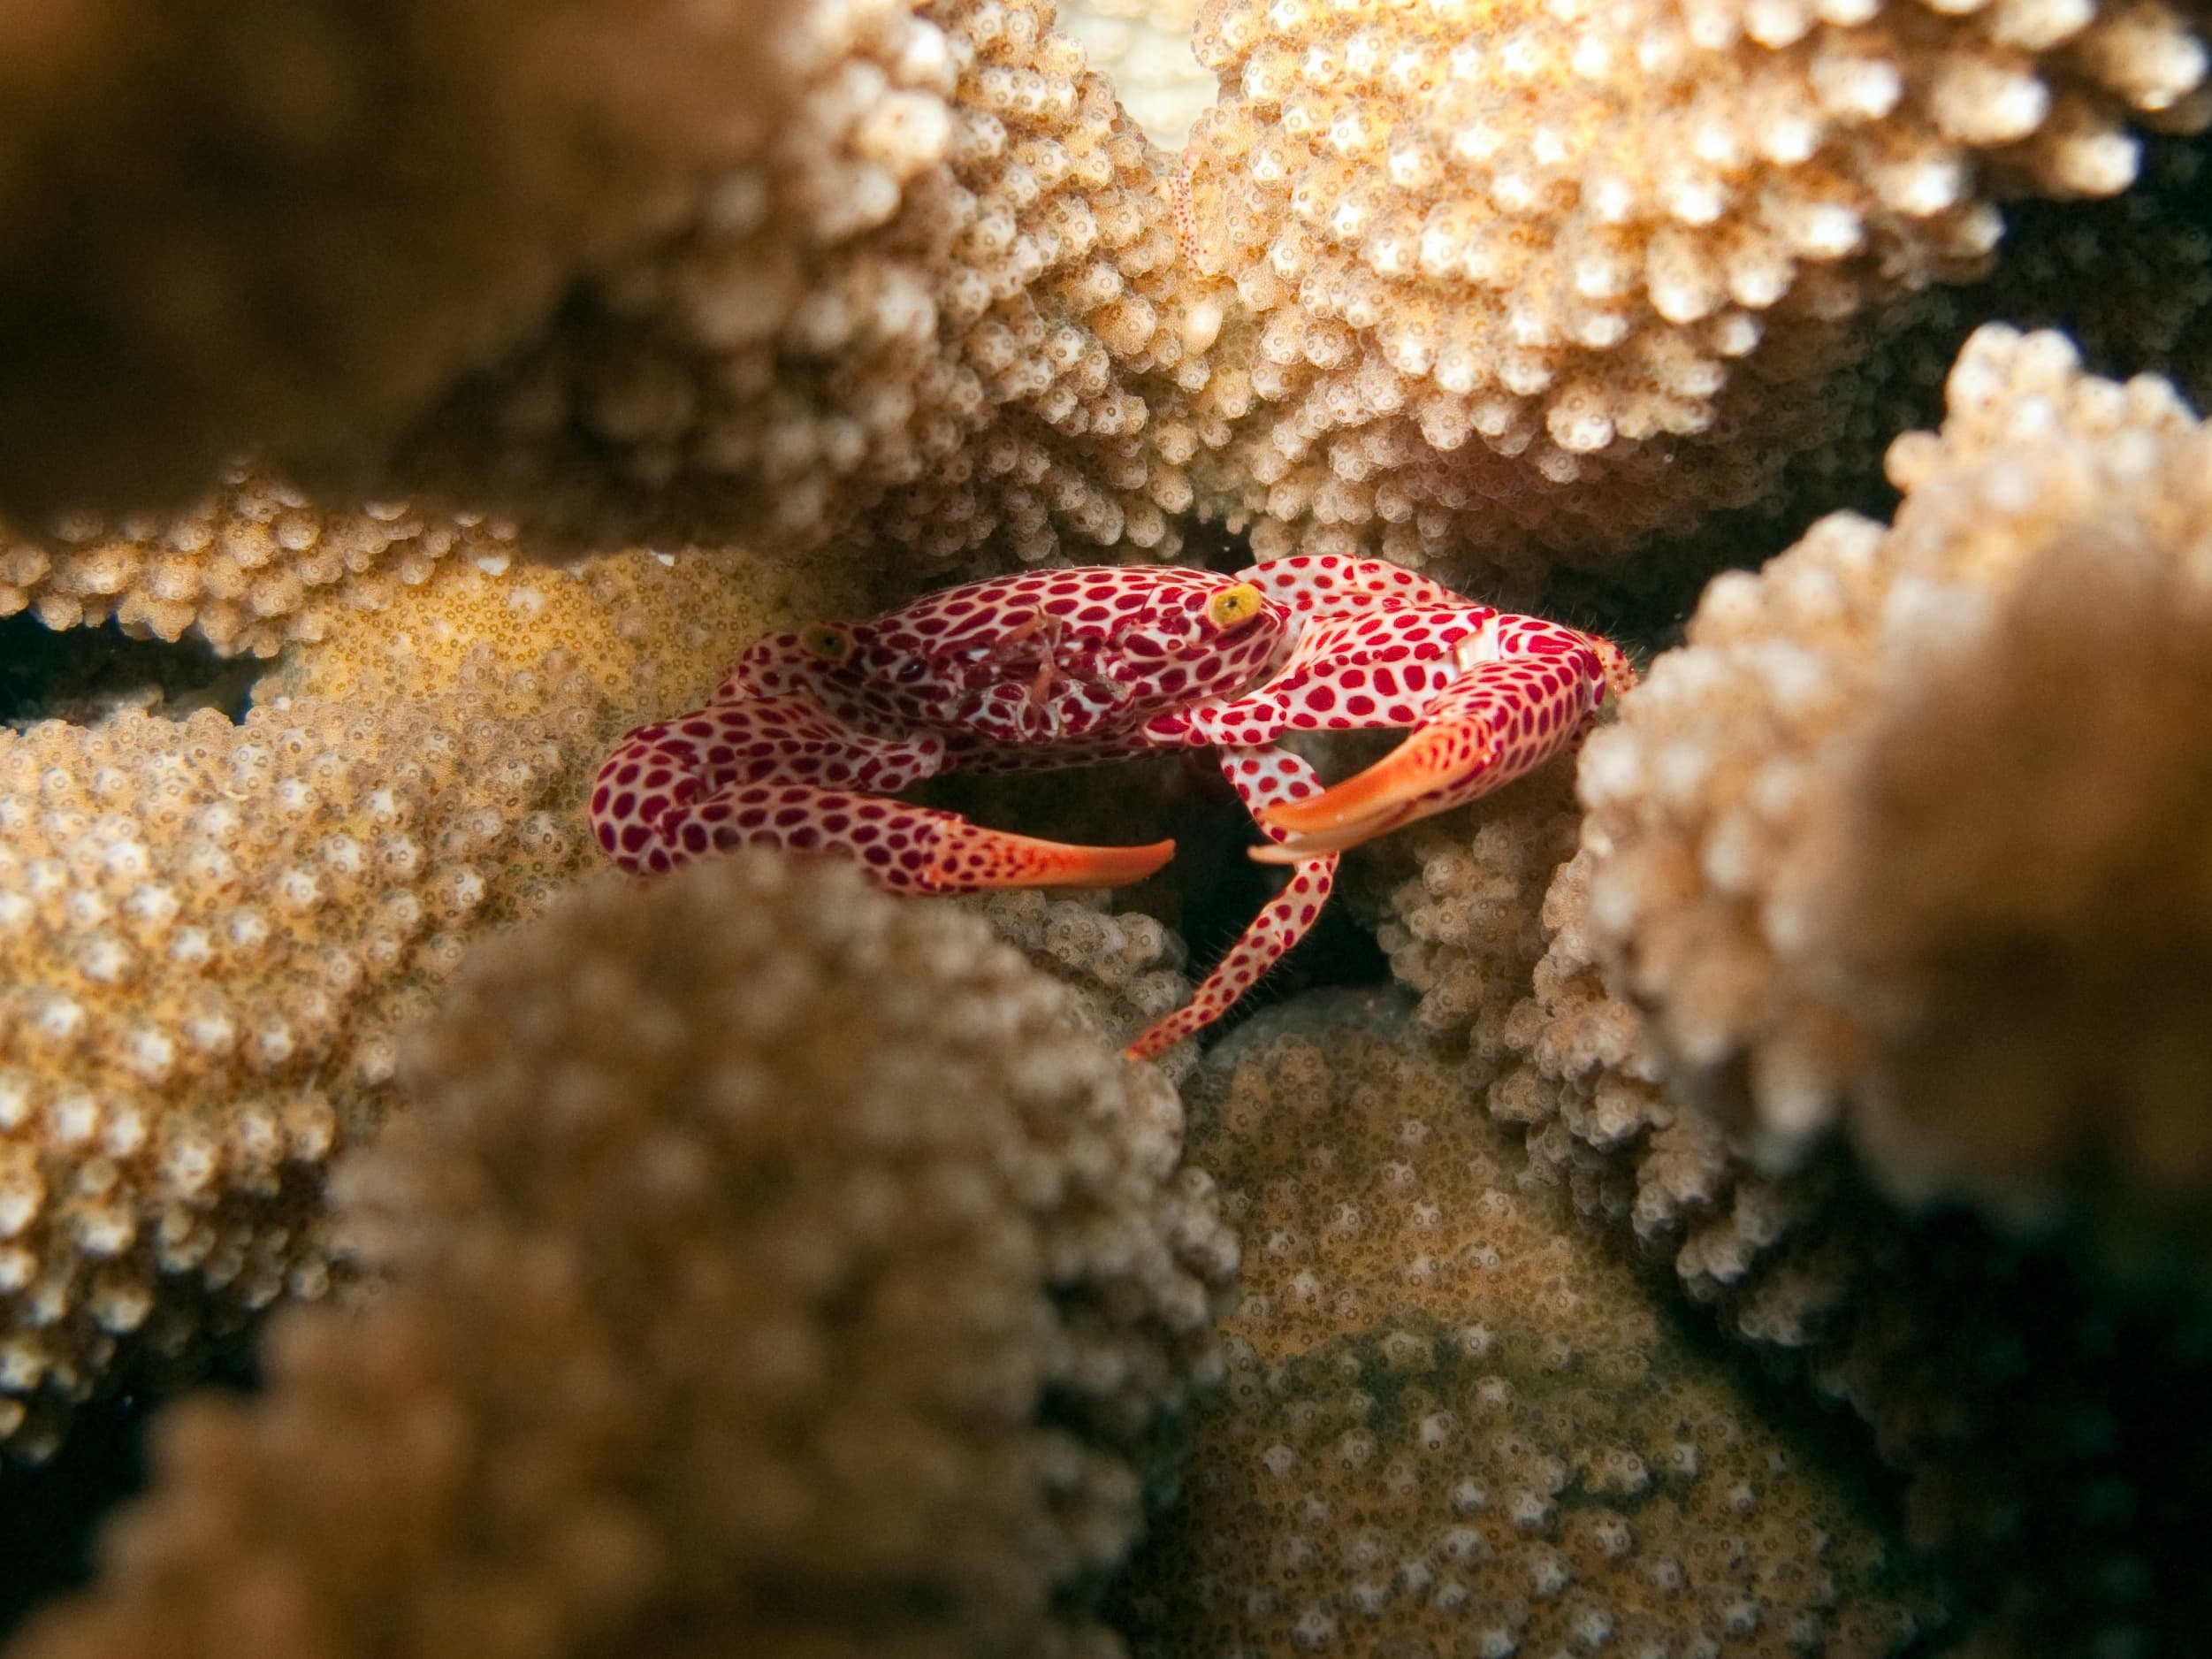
x=1432 y=761
x=969 y=857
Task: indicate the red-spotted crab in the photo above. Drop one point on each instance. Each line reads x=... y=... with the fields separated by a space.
x=1059 y=667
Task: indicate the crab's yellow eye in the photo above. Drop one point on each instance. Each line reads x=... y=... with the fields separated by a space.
x=831 y=645
x=1233 y=607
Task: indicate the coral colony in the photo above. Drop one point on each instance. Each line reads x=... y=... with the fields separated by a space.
x=1767 y=1211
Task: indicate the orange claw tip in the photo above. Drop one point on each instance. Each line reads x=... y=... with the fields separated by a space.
x=973 y=857
x=1367 y=803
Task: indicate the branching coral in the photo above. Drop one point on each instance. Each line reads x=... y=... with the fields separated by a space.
x=938 y=285
x=1456 y=1421
x=290 y=223
x=776 y=1271
x=210 y=935
x=1527 y=285
x=1124 y=965
x=1904 y=834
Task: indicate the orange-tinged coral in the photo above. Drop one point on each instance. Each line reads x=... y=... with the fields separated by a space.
x=1456 y=1421
x=1143 y=47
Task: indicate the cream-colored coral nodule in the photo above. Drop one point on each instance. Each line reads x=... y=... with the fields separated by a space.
x=1527 y=282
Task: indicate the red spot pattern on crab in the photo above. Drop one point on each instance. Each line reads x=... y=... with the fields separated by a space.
x=1047 y=668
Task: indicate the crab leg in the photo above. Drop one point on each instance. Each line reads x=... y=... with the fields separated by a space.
x=1505 y=717
x=906 y=849
x=1262 y=775
x=764 y=772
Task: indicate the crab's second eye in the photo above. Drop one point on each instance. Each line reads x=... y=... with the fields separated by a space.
x=1233 y=607
x=831 y=645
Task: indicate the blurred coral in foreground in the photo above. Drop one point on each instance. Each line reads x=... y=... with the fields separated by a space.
x=915 y=322
x=211 y=935
x=774 y=1269
x=291 y=222
x=1908 y=832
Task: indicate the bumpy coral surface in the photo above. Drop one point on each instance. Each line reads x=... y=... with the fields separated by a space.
x=2001 y=828
x=776 y=1271
x=1528 y=283
x=1903 y=836
x=211 y=933
x=255 y=565
x=2047 y=1431
x=224 y=224
x=1455 y=1420
x=1124 y=964
x=936 y=286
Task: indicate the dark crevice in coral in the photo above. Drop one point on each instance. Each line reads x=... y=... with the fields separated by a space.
x=51 y=1513
x=81 y=673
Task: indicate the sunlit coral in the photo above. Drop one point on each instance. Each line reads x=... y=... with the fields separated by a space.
x=776 y=1271
x=1530 y=282
x=1144 y=48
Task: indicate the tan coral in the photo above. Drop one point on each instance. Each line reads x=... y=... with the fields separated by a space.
x=1455 y=1420
x=928 y=303
x=252 y=567
x=2034 y=1417
x=1929 y=780
x=1889 y=778
x=290 y=223
x=1124 y=965
x=1464 y=929
x=209 y=934
x=1530 y=281
x=777 y=1271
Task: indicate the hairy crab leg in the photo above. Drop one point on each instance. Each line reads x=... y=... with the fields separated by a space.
x=1503 y=718
x=1262 y=775
x=770 y=772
